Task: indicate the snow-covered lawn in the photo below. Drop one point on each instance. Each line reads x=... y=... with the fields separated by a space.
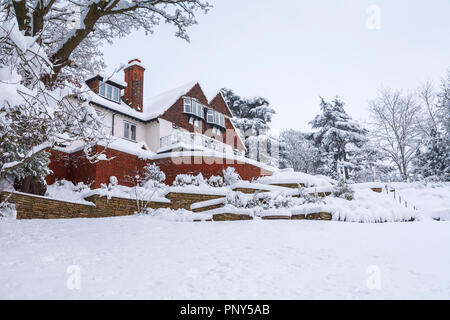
x=144 y=257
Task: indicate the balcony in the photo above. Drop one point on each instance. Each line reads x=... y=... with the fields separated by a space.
x=194 y=141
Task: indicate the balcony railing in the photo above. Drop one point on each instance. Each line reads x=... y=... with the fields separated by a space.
x=196 y=141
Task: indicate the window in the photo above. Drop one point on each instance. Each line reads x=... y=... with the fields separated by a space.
x=129 y=131
x=101 y=89
x=210 y=116
x=115 y=94
x=193 y=107
x=108 y=91
x=187 y=105
x=215 y=117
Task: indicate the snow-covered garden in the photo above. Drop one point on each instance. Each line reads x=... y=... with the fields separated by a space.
x=143 y=257
x=382 y=184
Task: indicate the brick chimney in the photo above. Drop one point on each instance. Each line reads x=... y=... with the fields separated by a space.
x=134 y=77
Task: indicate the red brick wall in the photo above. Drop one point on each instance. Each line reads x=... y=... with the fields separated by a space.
x=72 y=167
x=207 y=166
x=93 y=84
x=218 y=104
x=76 y=168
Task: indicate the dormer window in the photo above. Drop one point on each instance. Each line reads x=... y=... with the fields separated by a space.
x=191 y=106
x=109 y=91
x=215 y=117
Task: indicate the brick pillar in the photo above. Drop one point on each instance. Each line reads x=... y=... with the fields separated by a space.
x=134 y=77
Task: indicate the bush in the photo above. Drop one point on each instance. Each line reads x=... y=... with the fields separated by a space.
x=215 y=181
x=7 y=210
x=264 y=200
x=230 y=176
x=308 y=198
x=182 y=180
x=153 y=172
x=343 y=190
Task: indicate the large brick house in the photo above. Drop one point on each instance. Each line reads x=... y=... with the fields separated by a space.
x=181 y=130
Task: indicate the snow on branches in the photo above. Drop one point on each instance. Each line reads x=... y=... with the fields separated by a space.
x=47 y=47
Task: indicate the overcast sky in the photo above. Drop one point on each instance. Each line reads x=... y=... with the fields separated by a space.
x=292 y=52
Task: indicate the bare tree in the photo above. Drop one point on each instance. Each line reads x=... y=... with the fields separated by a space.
x=396 y=119
x=428 y=98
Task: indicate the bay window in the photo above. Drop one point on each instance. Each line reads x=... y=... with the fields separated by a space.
x=215 y=117
x=191 y=106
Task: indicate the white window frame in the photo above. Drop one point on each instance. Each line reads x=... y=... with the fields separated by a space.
x=187 y=106
x=128 y=132
x=109 y=92
x=215 y=117
x=193 y=107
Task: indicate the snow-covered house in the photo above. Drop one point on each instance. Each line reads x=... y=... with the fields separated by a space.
x=182 y=130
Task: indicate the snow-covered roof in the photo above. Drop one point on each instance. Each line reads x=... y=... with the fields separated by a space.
x=105 y=77
x=157 y=105
x=121 y=107
x=154 y=106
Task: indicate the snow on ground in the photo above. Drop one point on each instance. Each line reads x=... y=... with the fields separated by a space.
x=433 y=198
x=144 y=257
x=289 y=176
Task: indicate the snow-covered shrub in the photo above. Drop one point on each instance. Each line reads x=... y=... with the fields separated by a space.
x=343 y=190
x=182 y=180
x=66 y=191
x=153 y=172
x=263 y=200
x=238 y=199
x=307 y=197
x=113 y=181
x=7 y=211
x=215 y=181
x=230 y=176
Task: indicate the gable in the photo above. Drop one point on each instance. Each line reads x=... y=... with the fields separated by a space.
x=177 y=106
x=218 y=103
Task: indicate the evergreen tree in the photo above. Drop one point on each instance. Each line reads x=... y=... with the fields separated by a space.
x=251 y=116
x=343 y=190
x=434 y=161
x=249 y=113
x=339 y=137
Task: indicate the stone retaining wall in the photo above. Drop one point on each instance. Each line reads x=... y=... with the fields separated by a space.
x=181 y=200
x=35 y=207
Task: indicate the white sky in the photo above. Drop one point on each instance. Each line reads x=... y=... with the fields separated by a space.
x=292 y=52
